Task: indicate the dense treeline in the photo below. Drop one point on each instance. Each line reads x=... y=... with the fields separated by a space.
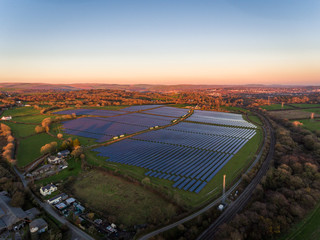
x=290 y=189
x=8 y=181
x=47 y=100
x=8 y=149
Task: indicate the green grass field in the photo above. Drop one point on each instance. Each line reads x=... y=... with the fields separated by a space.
x=20 y=111
x=255 y=119
x=21 y=130
x=36 y=119
x=314 y=110
x=275 y=107
x=29 y=148
x=129 y=203
x=307 y=229
x=234 y=109
x=311 y=125
x=305 y=105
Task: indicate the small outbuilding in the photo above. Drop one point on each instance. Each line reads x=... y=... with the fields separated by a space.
x=38 y=226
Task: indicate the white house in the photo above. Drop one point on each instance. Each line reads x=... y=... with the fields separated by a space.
x=48 y=189
x=54 y=160
x=7 y=118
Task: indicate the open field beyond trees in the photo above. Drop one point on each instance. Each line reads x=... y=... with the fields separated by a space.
x=275 y=107
x=292 y=114
x=305 y=105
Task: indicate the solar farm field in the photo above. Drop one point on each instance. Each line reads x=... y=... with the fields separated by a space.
x=220 y=118
x=186 y=157
x=93 y=112
x=187 y=154
x=189 y=159
x=140 y=108
x=104 y=129
x=168 y=111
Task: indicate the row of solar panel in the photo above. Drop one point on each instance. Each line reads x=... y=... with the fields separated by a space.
x=167 y=161
x=212 y=130
x=221 y=121
x=168 y=111
x=216 y=114
x=207 y=142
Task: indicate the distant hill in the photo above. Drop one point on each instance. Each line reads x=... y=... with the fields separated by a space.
x=133 y=87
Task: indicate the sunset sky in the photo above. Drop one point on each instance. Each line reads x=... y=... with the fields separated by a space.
x=160 y=41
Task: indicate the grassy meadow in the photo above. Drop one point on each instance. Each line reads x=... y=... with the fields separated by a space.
x=127 y=202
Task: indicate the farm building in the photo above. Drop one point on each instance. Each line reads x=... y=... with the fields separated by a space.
x=63 y=153
x=54 y=160
x=61 y=206
x=58 y=198
x=7 y=118
x=48 y=189
x=70 y=201
x=10 y=216
x=43 y=169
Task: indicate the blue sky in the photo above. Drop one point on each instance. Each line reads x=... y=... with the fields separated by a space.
x=170 y=42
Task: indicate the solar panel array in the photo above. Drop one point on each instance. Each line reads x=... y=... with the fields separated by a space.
x=168 y=111
x=188 y=154
x=189 y=168
x=94 y=112
x=229 y=119
x=104 y=129
x=99 y=129
x=212 y=130
x=140 y=108
x=197 y=140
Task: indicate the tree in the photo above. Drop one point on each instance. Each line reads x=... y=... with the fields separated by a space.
x=77 y=152
x=49 y=148
x=17 y=199
x=308 y=142
x=46 y=123
x=76 y=143
x=39 y=129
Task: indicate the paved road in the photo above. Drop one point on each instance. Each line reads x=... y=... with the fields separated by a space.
x=212 y=204
x=236 y=206
x=77 y=233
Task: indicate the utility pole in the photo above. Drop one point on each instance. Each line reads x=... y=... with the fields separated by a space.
x=312 y=116
x=224 y=190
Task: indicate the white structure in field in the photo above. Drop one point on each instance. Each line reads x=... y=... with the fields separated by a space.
x=7 y=118
x=48 y=189
x=38 y=226
x=54 y=160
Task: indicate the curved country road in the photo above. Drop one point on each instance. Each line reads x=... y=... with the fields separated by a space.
x=245 y=195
